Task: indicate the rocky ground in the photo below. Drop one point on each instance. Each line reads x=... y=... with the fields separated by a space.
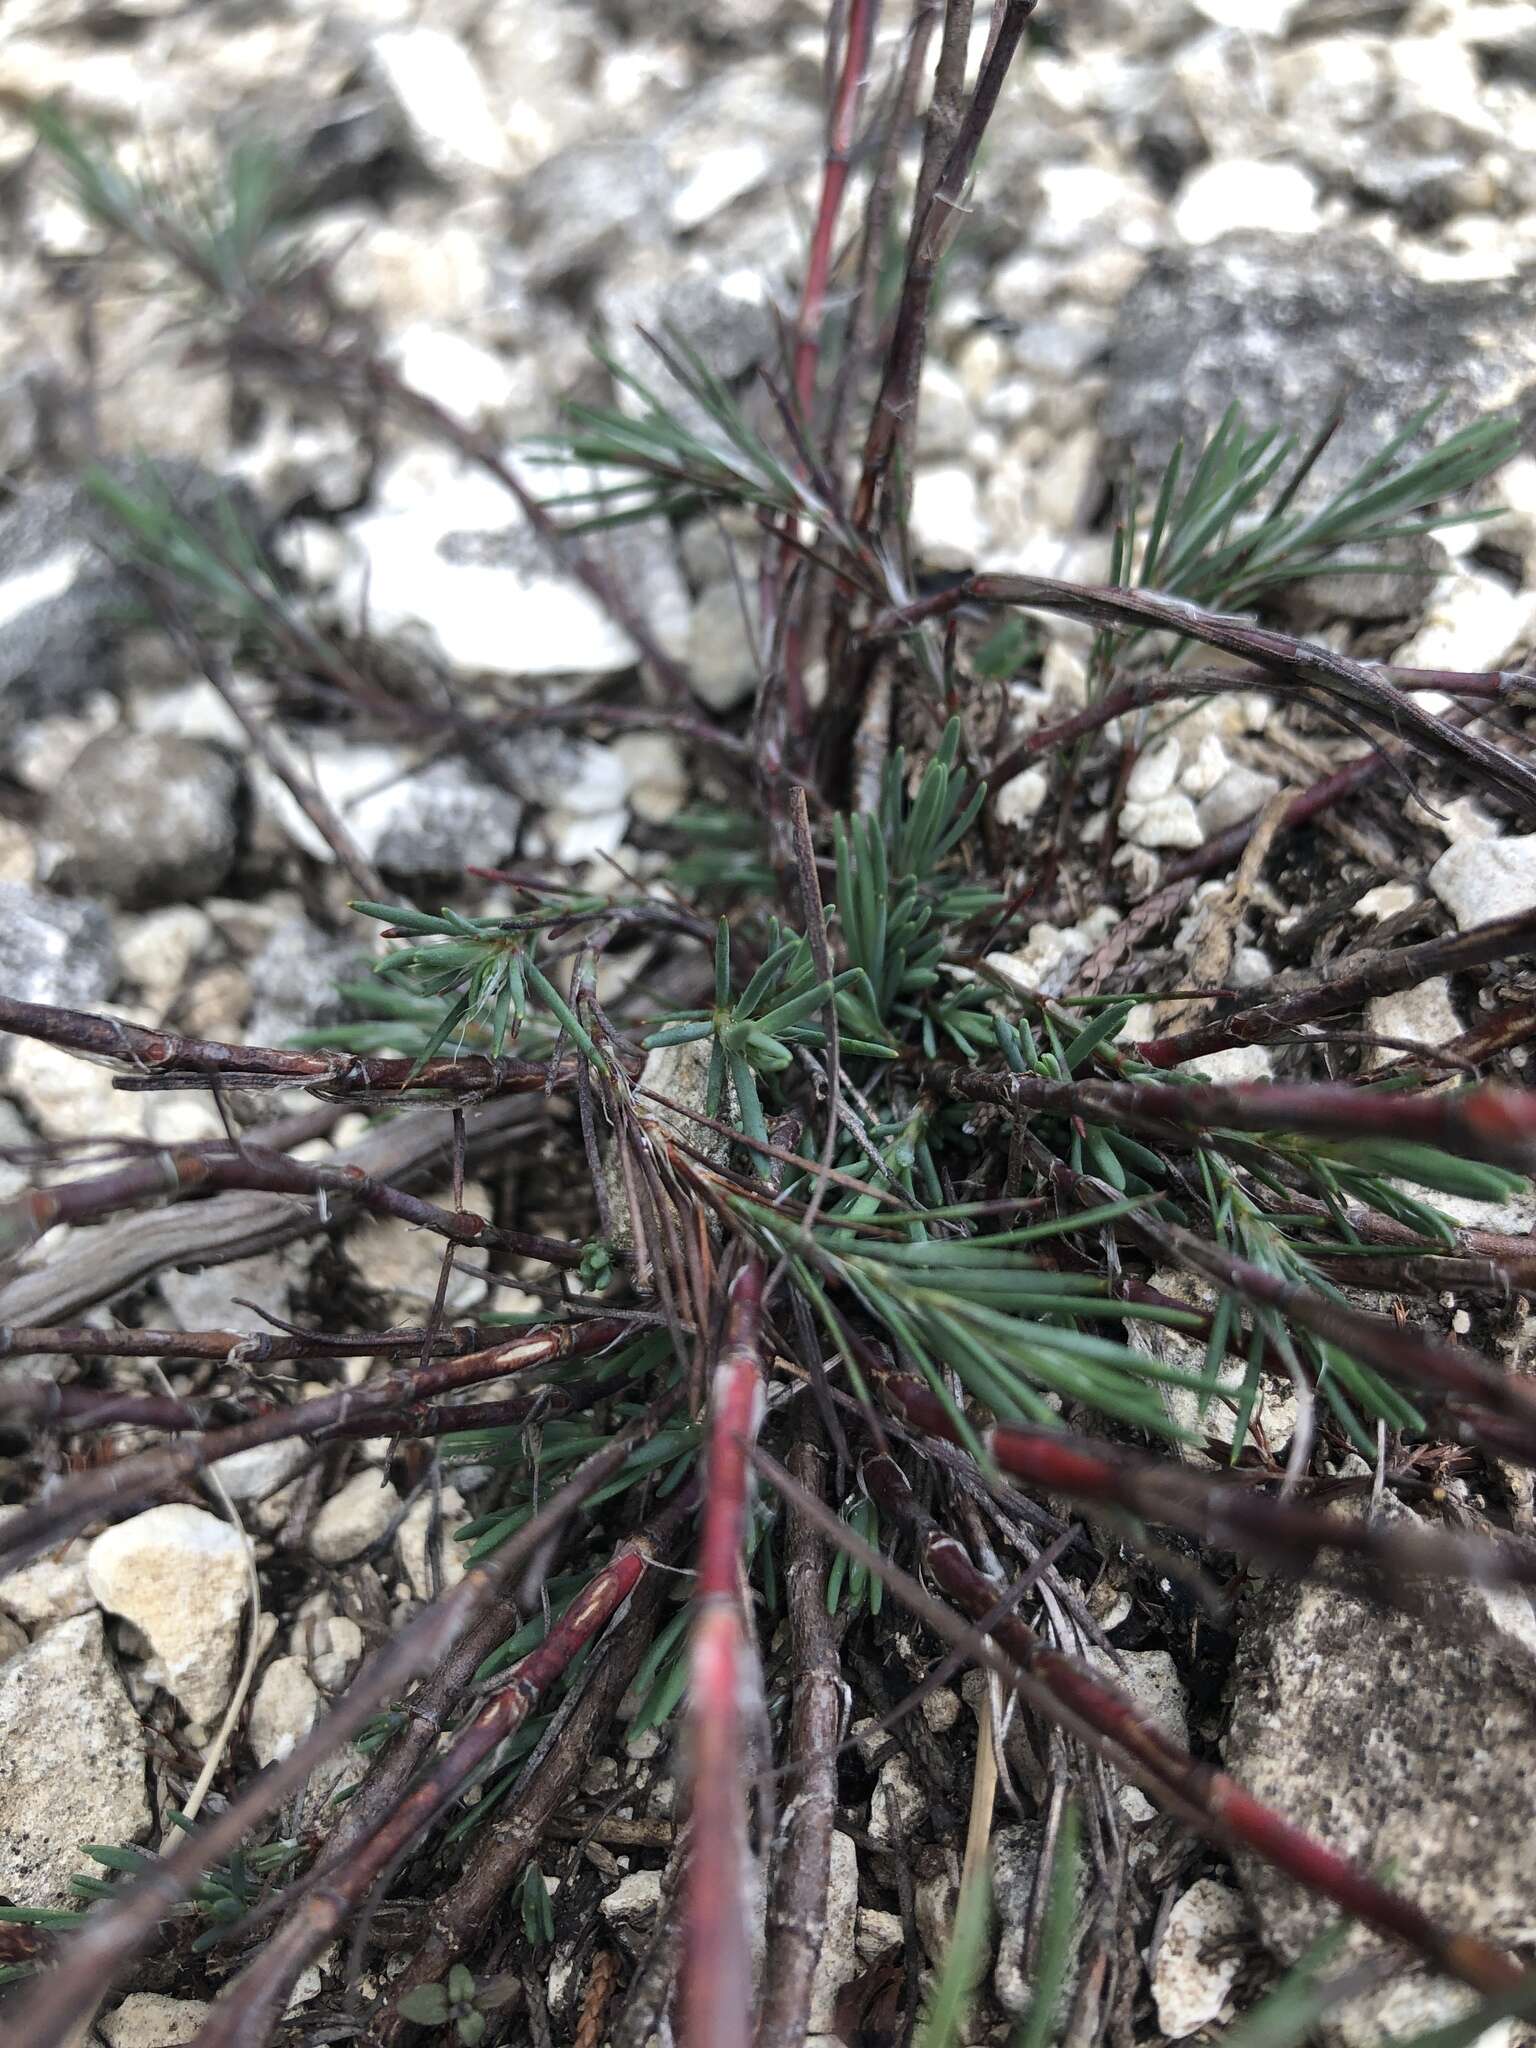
x=1293 y=204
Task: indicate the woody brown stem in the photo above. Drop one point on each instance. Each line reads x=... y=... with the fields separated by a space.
x=1345 y=985
x=842 y=123
x=1492 y=1123
x=1141 y=692
x=1228 y=1514
x=178 y=1172
x=167 y=1058
x=1303 y=666
x=936 y=212
x=460 y=1917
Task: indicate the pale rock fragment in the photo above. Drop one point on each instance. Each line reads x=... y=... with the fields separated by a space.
x=182 y=1577
x=1198 y=1958
x=353 y=1519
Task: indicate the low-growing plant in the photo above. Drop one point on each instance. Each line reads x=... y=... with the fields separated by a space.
x=847 y=1191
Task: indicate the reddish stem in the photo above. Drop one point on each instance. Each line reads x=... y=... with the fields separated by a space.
x=1228 y=1514
x=245 y=2018
x=1492 y=1123
x=1137 y=693
x=1300 y=666
x=841 y=128
x=717 y=1985
x=53 y=2011
x=1346 y=986
x=207 y=1169
x=797 y=1912
x=167 y=1058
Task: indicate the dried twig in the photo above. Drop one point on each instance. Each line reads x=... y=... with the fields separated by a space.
x=1492 y=1123
x=114 y=1489
x=204 y=1169
x=1301 y=665
x=117 y=1256
x=457 y=1919
x=1346 y=984
x=166 y=1059
x=1079 y=1699
x=1225 y=1513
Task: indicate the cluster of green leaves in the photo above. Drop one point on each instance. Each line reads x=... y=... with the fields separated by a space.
x=1225 y=529
x=227 y=229
x=533 y=1462
x=1357 y=1394
x=538 y=1458
x=221 y=1899
x=851 y=1585
x=1006 y=1323
x=723 y=857
x=754 y=1033
x=902 y=896
x=1232 y=1170
x=662 y=1678
x=650 y=460
x=468 y=982
x=901 y=893
x=459 y=2001
x=1219 y=543
x=1370 y=1171
x=214 y=561
x=1114 y=1155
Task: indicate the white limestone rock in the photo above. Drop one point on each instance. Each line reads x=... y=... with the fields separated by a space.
x=283 y=1710
x=1481 y=879
x=947 y=527
x=446 y=559
x=413 y=1540
x=182 y=1577
x=722 y=668
x=71 y=1761
x=1166 y=822
x=1326 y=1731
x=255 y=1474
x=1155 y=772
x=630 y=1909
x=1151 y=1680
x=148 y=2019
x=1235 y=193
x=1424 y=1015
x=1240 y=794
x=353 y=1519
x=1236 y=1063
x=441 y=101
x=1198 y=1958
x=838 y=1960
x=47 y=1591
x=1022 y=797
